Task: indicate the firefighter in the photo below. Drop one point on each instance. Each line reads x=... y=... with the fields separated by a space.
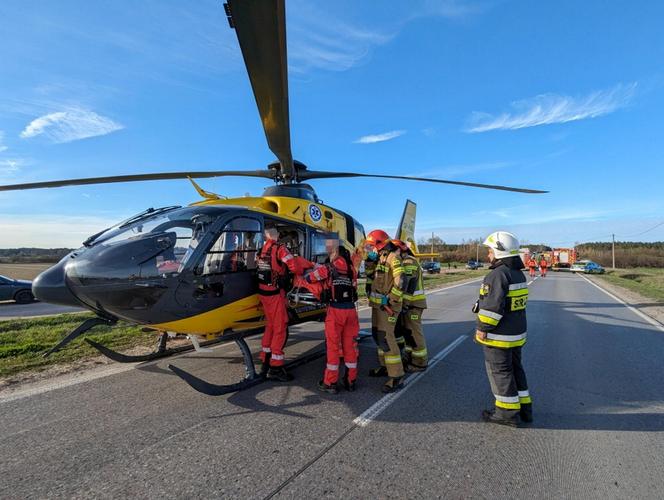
x=409 y=325
x=342 y=325
x=386 y=302
x=543 y=265
x=274 y=262
x=501 y=329
x=532 y=266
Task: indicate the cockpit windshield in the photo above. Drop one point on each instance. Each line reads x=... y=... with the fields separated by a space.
x=161 y=242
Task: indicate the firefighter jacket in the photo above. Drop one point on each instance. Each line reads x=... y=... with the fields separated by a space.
x=274 y=262
x=388 y=282
x=338 y=280
x=413 y=294
x=502 y=305
x=369 y=271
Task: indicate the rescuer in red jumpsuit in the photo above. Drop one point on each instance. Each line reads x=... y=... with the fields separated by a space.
x=543 y=265
x=342 y=326
x=532 y=266
x=274 y=261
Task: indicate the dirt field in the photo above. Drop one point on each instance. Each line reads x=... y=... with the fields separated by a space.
x=22 y=271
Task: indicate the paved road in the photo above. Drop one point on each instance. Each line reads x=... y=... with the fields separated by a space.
x=12 y=310
x=595 y=370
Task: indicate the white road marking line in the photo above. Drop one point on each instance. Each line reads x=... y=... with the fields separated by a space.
x=532 y=280
x=382 y=404
x=642 y=315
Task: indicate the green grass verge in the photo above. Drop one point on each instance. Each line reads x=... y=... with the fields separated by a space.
x=647 y=281
x=23 y=341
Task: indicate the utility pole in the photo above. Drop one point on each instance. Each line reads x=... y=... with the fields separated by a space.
x=432 y=237
x=477 y=253
x=613 y=251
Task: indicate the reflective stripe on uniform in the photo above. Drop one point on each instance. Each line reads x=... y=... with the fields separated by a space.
x=351 y=365
x=392 y=319
x=277 y=357
x=267 y=349
x=396 y=291
x=489 y=317
x=393 y=359
x=518 y=286
x=507 y=402
x=286 y=258
x=518 y=293
x=504 y=341
x=524 y=397
x=420 y=353
x=332 y=368
x=508 y=406
x=400 y=340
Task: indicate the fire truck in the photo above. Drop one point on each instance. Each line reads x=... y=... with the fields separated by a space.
x=563 y=258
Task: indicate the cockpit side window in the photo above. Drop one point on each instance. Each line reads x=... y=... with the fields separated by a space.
x=235 y=248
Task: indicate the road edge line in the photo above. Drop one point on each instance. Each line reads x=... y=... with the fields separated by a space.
x=371 y=413
x=643 y=315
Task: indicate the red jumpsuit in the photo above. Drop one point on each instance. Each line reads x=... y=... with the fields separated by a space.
x=341 y=323
x=532 y=265
x=273 y=262
x=543 y=265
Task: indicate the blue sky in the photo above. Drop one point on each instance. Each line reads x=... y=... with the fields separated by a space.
x=566 y=96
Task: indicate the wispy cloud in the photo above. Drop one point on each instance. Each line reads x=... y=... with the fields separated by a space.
x=387 y=136
x=547 y=109
x=70 y=125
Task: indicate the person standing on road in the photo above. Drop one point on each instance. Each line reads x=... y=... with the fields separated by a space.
x=342 y=325
x=409 y=325
x=501 y=329
x=274 y=261
x=532 y=266
x=543 y=265
x=386 y=302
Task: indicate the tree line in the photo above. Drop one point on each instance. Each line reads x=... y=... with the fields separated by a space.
x=628 y=254
x=32 y=255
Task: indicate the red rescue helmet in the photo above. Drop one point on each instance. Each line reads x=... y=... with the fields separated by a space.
x=378 y=238
x=402 y=245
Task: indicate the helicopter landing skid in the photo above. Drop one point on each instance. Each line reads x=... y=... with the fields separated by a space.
x=161 y=351
x=251 y=378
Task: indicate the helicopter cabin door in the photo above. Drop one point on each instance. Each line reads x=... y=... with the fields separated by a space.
x=227 y=269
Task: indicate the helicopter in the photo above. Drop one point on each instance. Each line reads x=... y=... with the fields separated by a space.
x=191 y=270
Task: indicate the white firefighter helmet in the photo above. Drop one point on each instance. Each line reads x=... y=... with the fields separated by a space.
x=504 y=244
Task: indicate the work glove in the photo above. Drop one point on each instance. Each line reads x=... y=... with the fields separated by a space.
x=476 y=307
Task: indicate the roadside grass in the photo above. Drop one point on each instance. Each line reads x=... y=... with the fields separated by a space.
x=22 y=271
x=23 y=341
x=647 y=281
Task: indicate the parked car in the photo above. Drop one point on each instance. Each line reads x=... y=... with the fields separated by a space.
x=474 y=264
x=594 y=268
x=579 y=266
x=431 y=267
x=18 y=290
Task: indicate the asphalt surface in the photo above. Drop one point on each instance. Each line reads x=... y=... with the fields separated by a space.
x=12 y=310
x=596 y=375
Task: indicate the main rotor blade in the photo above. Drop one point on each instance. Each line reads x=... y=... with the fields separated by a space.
x=261 y=30
x=312 y=174
x=265 y=174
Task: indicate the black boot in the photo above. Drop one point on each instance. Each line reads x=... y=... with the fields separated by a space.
x=526 y=413
x=489 y=416
x=330 y=389
x=381 y=371
x=265 y=366
x=348 y=385
x=411 y=368
x=279 y=374
x=392 y=384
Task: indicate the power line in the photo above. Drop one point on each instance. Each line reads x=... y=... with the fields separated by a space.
x=646 y=231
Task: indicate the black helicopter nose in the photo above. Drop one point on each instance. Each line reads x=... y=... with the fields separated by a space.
x=50 y=286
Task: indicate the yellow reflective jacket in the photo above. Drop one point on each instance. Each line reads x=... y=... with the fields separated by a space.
x=388 y=281
x=413 y=295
